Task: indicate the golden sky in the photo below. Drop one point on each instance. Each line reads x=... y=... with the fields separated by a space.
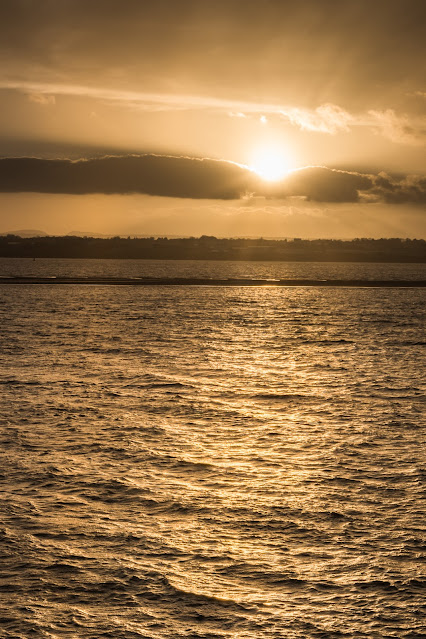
x=268 y=117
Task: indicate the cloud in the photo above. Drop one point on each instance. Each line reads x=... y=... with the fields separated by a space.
x=320 y=184
x=42 y=98
x=179 y=177
x=399 y=128
x=354 y=50
x=194 y=178
x=410 y=189
x=327 y=118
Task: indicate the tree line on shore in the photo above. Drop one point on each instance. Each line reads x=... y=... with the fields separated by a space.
x=209 y=247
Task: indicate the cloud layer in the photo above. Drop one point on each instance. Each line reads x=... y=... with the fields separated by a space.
x=327 y=118
x=194 y=178
x=149 y=174
x=304 y=49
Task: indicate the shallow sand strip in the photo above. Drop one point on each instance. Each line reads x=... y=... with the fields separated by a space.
x=182 y=281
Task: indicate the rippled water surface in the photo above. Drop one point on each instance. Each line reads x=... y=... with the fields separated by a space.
x=50 y=267
x=212 y=462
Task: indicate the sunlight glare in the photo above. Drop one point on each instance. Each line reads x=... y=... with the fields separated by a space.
x=271 y=163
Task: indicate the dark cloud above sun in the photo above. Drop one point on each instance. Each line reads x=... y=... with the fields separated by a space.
x=194 y=178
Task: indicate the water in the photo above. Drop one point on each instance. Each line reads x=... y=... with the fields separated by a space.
x=211 y=462
x=49 y=267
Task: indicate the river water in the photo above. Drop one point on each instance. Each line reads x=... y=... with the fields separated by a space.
x=212 y=462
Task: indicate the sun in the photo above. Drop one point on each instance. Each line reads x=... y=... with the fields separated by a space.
x=270 y=162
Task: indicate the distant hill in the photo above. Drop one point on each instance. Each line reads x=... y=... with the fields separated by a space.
x=26 y=233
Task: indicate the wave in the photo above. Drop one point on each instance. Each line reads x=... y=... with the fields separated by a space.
x=388 y=585
x=284 y=397
x=21 y=382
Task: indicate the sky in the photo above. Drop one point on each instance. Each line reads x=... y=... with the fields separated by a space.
x=270 y=118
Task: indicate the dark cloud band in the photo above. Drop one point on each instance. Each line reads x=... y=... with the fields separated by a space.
x=149 y=174
x=192 y=178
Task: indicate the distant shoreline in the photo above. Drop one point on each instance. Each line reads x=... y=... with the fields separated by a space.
x=210 y=248
x=181 y=281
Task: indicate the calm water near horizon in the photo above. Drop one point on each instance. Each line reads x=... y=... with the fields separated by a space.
x=52 y=267
x=212 y=463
